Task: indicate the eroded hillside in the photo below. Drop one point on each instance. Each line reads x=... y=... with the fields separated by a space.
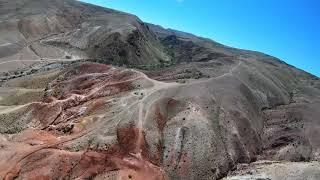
x=93 y=93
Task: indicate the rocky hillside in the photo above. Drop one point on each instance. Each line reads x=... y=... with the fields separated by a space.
x=55 y=29
x=93 y=93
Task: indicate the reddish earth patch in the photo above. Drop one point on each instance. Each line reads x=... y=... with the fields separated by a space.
x=72 y=93
x=161 y=120
x=48 y=162
x=129 y=142
x=40 y=154
x=172 y=103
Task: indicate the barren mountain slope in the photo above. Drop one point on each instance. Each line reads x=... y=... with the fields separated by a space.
x=51 y=30
x=188 y=108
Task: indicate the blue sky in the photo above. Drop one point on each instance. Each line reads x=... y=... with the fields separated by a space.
x=287 y=29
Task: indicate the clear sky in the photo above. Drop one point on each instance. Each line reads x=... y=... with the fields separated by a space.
x=287 y=29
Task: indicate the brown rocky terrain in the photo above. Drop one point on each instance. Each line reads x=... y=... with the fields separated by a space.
x=93 y=93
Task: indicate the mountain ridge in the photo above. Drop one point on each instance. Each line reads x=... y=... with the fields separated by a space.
x=92 y=93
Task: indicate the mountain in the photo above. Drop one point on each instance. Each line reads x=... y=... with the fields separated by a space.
x=68 y=29
x=93 y=93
